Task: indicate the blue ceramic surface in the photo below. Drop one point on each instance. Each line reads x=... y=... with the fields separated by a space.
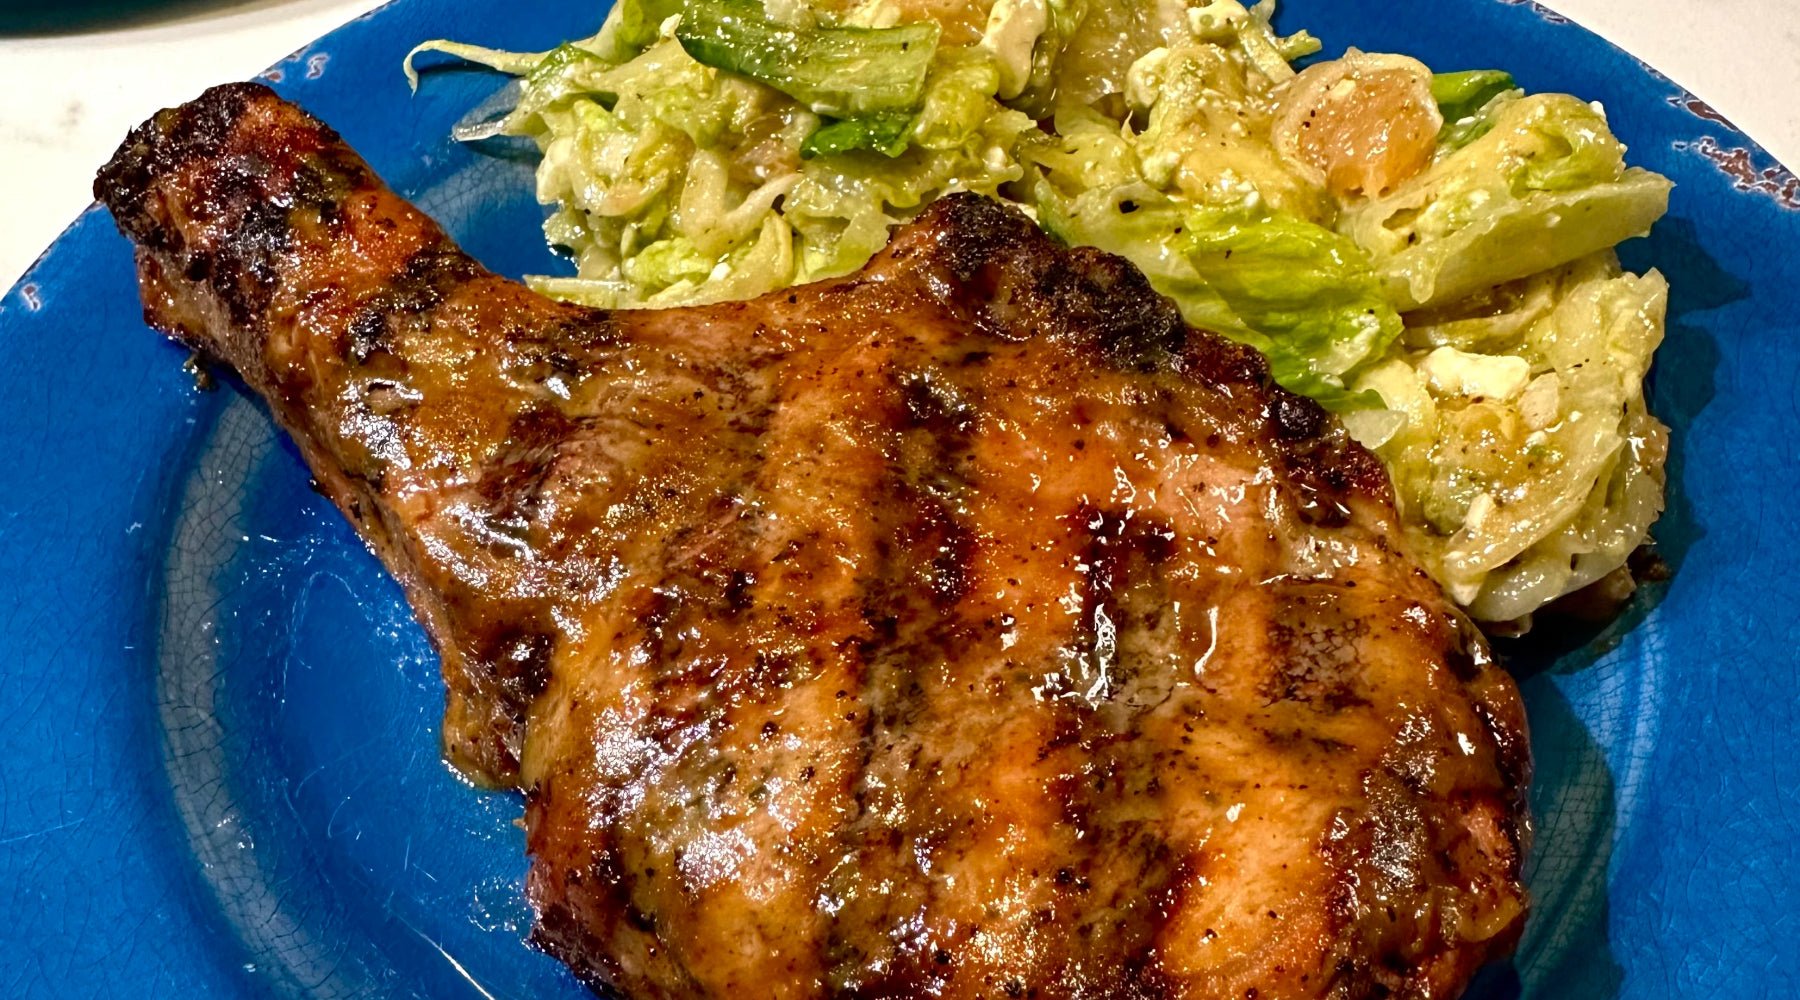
x=220 y=775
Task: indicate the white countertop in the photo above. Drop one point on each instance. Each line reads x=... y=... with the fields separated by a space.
x=66 y=101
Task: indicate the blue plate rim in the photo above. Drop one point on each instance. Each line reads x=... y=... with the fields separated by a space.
x=1728 y=141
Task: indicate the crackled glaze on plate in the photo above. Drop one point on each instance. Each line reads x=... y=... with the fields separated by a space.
x=222 y=779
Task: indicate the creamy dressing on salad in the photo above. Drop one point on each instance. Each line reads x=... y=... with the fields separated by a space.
x=1428 y=254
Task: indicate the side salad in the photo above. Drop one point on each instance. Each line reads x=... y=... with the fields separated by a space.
x=1429 y=254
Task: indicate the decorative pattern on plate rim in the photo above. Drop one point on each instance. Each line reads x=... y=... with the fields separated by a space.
x=1740 y=164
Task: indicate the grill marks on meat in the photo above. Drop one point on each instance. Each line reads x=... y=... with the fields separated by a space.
x=966 y=627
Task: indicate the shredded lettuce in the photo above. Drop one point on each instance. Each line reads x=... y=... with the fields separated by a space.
x=1462 y=95
x=1305 y=291
x=1460 y=132
x=1301 y=294
x=887 y=133
x=1547 y=184
x=1515 y=492
x=836 y=70
x=1063 y=22
x=1207 y=118
x=1429 y=255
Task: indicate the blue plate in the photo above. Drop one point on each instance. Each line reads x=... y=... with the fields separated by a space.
x=221 y=774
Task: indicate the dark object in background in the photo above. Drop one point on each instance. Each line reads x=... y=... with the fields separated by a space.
x=65 y=17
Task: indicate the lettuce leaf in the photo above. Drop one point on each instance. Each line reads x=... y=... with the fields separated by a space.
x=887 y=133
x=836 y=70
x=1304 y=296
x=1309 y=291
x=1461 y=95
x=1514 y=499
x=1546 y=185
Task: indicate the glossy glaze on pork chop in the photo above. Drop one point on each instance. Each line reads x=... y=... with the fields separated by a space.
x=964 y=627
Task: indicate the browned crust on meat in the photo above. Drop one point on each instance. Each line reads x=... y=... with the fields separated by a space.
x=967 y=627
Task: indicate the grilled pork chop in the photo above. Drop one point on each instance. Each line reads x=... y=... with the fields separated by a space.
x=964 y=627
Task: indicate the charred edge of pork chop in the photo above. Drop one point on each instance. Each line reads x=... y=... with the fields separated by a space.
x=1023 y=284
x=247 y=212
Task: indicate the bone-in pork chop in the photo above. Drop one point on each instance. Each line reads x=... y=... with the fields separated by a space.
x=964 y=627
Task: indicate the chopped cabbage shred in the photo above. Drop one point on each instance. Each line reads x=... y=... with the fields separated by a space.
x=1429 y=255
